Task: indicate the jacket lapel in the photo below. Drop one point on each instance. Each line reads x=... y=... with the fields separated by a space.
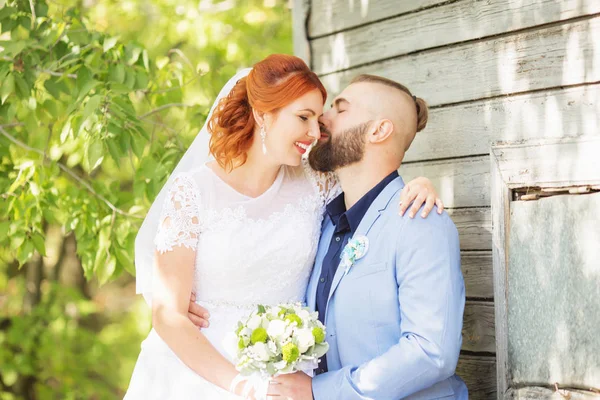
x=381 y=203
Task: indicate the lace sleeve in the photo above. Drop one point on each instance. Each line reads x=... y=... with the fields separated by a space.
x=179 y=223
x=326 y=183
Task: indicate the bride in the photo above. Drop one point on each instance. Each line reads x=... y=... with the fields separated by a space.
x=237 y=231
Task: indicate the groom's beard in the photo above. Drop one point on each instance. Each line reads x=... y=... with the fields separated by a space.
x=343 y=149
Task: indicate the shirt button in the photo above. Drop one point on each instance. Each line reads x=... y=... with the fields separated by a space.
x=322 y=280
x=337 y=239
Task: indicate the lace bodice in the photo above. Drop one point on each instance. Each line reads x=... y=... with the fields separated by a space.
x=248 y=250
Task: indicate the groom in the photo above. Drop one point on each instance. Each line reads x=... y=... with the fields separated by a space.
x=394 y=314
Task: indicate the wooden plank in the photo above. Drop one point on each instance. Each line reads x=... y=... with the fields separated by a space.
x=465 y=182
x=462 y=182
x=479 y=374
x=549 y=162
x=478 y=275
x=500 y=220
x=474 y=227
x=440 y=26
x=335 y=15
x=478 y=327
x=539 y=393
x=468 y=129
x=555 y=56
x=300 y=36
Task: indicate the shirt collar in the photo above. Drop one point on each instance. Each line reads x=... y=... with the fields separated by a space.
x=337 y=207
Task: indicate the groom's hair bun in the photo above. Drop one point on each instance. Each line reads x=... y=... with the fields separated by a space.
x=272 y=84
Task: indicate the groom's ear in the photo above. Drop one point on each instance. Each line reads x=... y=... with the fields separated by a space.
x=383 y=130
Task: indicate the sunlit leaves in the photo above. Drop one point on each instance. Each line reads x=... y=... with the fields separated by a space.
x=66 y=98
x=90 y=115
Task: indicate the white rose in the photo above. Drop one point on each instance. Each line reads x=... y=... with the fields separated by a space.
x=305 y=339
x=260 y=350
x=265 y=321
x=304 y=315
x=254 y=322
x=276 y=328
x=289 y=329
x=246 y=332
x=275 y=311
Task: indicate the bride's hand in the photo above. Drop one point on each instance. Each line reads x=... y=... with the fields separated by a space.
x=198 y=314
x=418 y=191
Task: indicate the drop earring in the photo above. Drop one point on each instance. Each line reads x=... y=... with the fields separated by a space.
x=263 y=137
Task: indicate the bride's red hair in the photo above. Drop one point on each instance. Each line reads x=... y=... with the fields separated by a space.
x=272 y=84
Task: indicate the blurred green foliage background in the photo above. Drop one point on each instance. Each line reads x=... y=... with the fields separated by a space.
x=98 y=101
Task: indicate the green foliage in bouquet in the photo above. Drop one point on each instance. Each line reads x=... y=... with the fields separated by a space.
x=278 y=340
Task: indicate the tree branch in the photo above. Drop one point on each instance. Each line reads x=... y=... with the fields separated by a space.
x=11 y=125
x=180 y=53
x=33 y=17
x=165 y=126
x=57 y=63
x=61 y=258
x=172 y=88
x=149 y=113
x=72 y=174
x=18 y=142
x=59 y=74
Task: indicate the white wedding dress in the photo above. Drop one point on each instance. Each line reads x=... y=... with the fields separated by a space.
x=249 y=251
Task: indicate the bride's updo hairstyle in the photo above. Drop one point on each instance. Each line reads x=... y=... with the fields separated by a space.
x=272 y=84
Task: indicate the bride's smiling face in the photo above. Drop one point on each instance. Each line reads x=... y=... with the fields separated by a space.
x=292 y=129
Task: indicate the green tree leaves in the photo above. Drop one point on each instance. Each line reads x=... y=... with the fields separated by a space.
x=97 y=105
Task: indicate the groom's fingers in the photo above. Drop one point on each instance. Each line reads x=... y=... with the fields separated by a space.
x=199 y=310
x=273 y=394
x=274 y=390
x=196 y=320
x=198 y=315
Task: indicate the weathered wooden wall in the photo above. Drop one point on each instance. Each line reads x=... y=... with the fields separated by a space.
x=493 y=70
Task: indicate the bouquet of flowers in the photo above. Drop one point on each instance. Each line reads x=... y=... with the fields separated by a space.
x=277 y=340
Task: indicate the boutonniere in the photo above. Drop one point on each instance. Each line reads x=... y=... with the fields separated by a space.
x=355 y=250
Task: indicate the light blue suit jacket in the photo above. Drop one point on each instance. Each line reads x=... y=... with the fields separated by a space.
x=394 y=321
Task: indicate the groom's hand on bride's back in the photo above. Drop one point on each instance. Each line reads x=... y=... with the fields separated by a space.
x=198 y=314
